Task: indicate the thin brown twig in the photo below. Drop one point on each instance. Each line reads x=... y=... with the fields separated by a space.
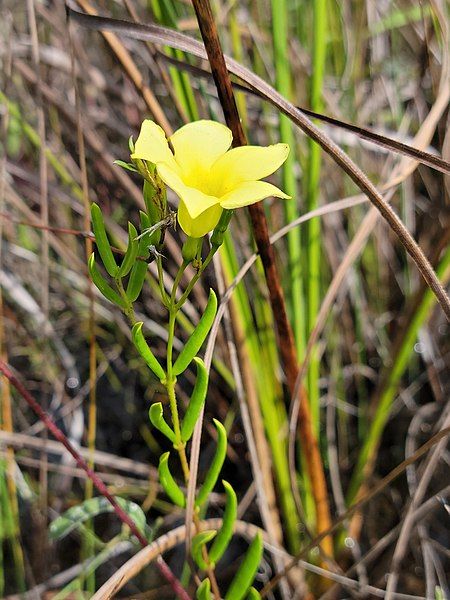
x=43 y=197
x=92 y=402
x=98 y=483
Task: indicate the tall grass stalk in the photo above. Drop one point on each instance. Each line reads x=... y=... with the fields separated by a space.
x=88 y=546
x=313 y=248
x=269 y=392
x=280 y=20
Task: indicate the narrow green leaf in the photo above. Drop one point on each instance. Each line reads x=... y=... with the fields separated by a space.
x=154 y=210
x=131 y=253
x=226 y=531
x=144 y=240
x=168 y=482
x=198 y=541
x=139 y=270
x=131 y=144
x=77 y=515
x=216 y=465
x=196 y=402
x=145 y=352
x=198 y=336
x=136 y=280
x=101 y=239
x=246 y=573
x=253 y=594
x=157 y=419
x=204 y=590
x=102 y=285
x=126 y=166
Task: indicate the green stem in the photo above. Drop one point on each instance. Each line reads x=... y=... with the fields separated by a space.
x=196 y=277
x=280 y=28
x=128 y=310
x=176 y=282
x=314 y=258
x=164 y=296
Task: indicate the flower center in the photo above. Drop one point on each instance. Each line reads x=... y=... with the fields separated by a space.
x=203 y=180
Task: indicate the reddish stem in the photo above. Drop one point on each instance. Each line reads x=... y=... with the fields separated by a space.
x=163 y=567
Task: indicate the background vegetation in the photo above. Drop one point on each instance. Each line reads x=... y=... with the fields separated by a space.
x=376 y=378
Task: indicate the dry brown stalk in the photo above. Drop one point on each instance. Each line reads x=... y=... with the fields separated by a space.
x=260 y=230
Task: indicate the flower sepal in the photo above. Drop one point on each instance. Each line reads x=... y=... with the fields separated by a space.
x=191 y=249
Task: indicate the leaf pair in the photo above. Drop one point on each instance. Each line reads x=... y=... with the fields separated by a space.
x=240 y=587
x=128 y=264
x=221 y=538
x=169 y=484
x=193 y=411
x=186 y=356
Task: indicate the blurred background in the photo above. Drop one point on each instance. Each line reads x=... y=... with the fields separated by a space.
x=377 y=379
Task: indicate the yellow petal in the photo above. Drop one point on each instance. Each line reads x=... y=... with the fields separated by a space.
x=202 y=224
x=197 y=146
x=152 y=145
x=247 y=163
x=196 y=201
x=250 y=192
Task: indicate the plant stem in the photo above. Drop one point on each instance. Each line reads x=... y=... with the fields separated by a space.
x=164 y=297
x=196 y=277
x=129 y=310
x=179 y=445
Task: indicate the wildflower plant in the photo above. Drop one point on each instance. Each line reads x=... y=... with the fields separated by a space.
x=210 y=180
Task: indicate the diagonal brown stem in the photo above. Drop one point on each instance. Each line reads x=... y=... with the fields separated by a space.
x=260 y=230
x=163 y=567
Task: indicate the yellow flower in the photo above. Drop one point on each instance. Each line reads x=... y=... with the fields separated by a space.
x=205 y=174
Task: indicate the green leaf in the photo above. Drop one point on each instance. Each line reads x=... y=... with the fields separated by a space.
x=246 y=573
x=226 y=531
x=253 y=594
x=168 y=482
x=153 y=210
x=102 y=285
x=126 y=166
x=131 y=253
x=136 y=280
x=196 y=402
x=157 y=419
x=131 y=144
x=198 y=541
x=216 y=465
x=101 y=239
x=204 y=590
x=145 y=352
x=144 y=240
x=77 y=515
x=198 y=336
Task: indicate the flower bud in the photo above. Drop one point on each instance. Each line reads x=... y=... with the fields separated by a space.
x=220 y=229
x=191 y=248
